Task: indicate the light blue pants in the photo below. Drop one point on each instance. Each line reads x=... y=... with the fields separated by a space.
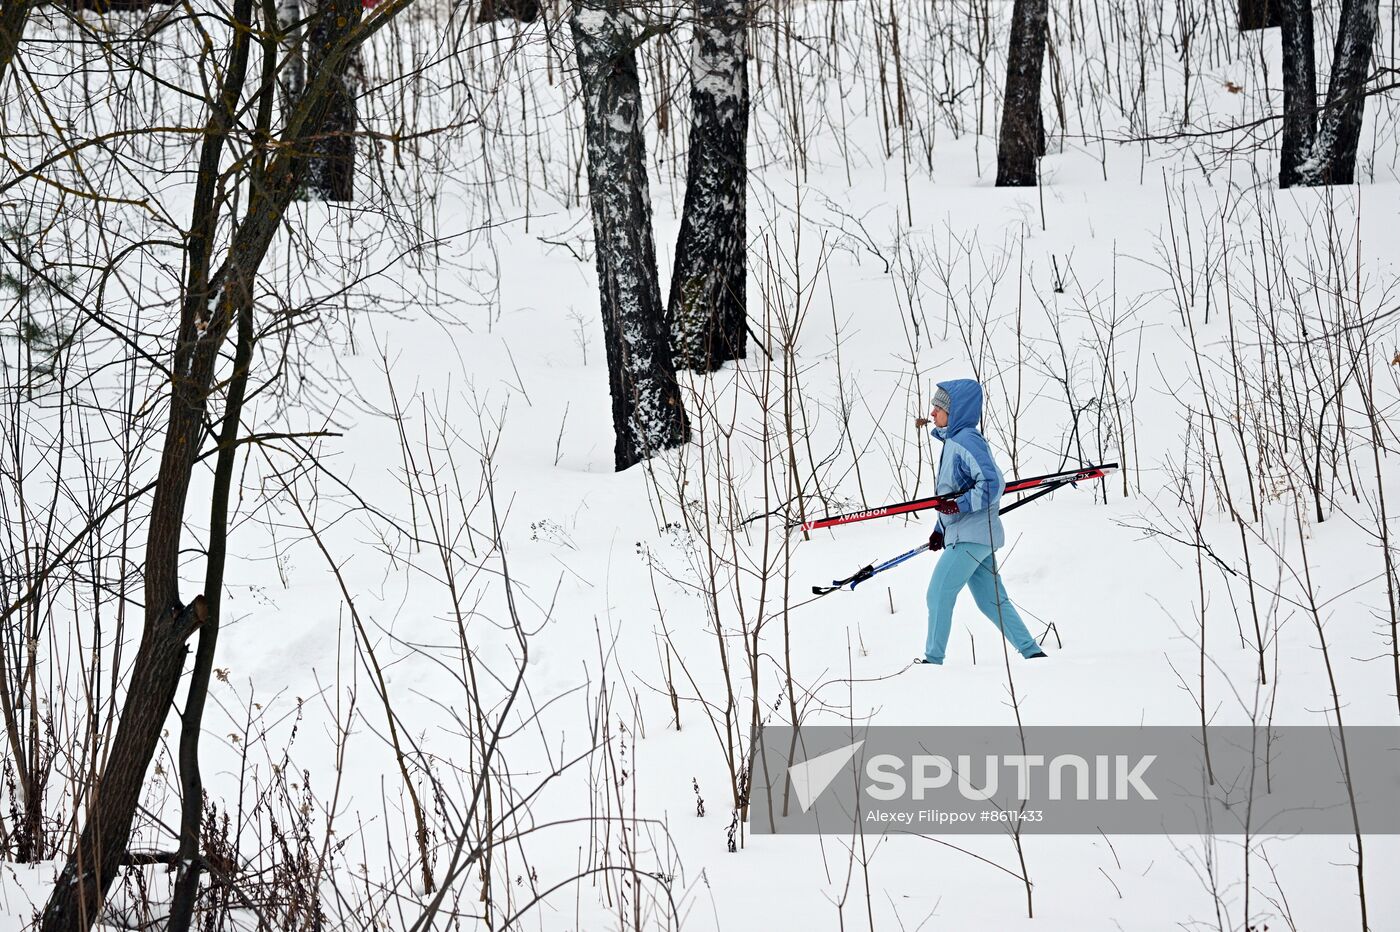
x=971 y=565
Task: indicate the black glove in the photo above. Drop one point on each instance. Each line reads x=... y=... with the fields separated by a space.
x=935 y=540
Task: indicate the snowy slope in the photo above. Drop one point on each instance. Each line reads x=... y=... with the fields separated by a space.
x=873 y=276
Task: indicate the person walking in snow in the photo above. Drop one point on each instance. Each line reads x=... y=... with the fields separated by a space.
x=969 y=528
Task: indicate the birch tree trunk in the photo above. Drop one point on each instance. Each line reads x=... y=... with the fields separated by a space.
x=1260 y=14
x=292 y=77
x=330 y=176
x=707 y=303
x=1299 y=87
x=1022 y=130
x=647 y=413
x=1333 y=158
x=525 y=11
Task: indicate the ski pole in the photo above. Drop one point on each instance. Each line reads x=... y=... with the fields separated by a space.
x=865 y=572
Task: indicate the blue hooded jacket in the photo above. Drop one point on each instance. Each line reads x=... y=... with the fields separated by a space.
x=967 y=460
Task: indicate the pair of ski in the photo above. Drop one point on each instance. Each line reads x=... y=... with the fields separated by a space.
x=1042 y=485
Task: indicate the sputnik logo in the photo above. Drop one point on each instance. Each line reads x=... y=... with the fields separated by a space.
x=811 y=777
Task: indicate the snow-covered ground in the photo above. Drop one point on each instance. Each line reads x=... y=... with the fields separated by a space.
x=467 y=390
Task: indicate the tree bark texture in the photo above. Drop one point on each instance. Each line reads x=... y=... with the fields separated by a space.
x=1022 y=129
x=707 y=304
x=211 y=304
x=331 y=174
x=292 y=74
x=490 y=11
x=1333 y=158
x=14 y=14
x=648 y=416
x=1260 y=14
x=1299 y=88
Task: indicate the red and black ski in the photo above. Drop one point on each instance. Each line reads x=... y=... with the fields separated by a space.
x=1046 y=483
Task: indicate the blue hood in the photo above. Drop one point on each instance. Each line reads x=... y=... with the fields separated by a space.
x=965 y=407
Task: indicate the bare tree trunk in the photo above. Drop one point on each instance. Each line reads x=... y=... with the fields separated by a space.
x=708 y=303
x=1299 y=87
x=1333 y=158
x=81 y=888
x=210 y=305
x=1260 y=14
x=189 y=855
x=525 y=11
x=189 y=861
x=647 y=412
x=331 y=174
x=1022 y=129
x=13 y=16
x=292 y=77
